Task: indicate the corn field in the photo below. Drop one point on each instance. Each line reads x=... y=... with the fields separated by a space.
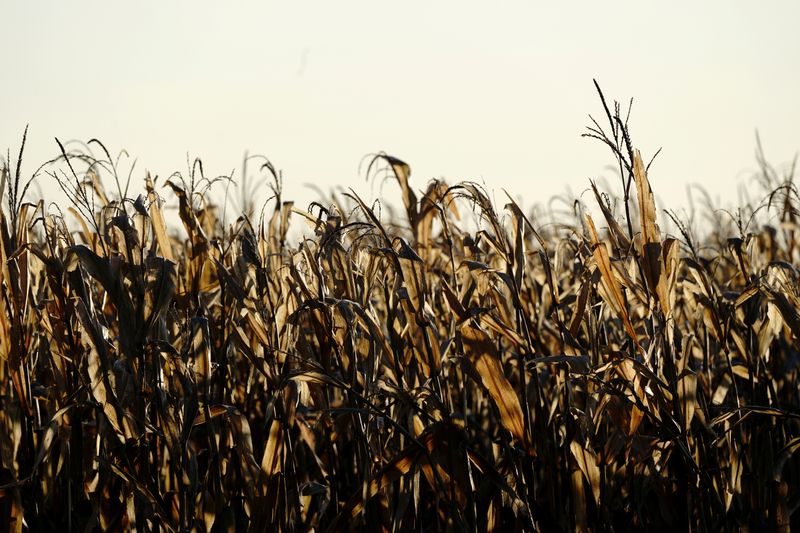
x=395 y=372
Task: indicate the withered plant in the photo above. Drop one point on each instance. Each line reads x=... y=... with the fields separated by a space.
x=395 y=373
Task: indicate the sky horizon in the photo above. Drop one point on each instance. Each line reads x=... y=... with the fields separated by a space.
x=460 y=91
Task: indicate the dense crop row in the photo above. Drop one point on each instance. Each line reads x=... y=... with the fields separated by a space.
x=394 y=373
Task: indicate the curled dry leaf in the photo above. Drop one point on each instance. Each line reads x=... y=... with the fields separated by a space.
x=484 y=358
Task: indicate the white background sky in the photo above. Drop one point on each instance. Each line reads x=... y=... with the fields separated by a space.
x=492 y=91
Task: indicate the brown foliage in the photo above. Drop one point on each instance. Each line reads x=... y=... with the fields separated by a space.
x=393 y=374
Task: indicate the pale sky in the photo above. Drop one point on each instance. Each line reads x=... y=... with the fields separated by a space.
x=491 y=91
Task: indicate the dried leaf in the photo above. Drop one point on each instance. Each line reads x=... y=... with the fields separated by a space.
x=486 y=361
